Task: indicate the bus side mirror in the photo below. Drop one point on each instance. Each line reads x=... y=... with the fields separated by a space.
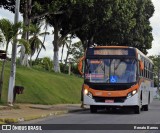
x=80 y=65
x=141 y=65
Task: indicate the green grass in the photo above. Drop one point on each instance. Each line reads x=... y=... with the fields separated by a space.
x=43 y=87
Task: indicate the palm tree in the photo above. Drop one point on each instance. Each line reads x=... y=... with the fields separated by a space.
x=9 y=30
x=34 y=41
x=44 y=38
x=64 y=43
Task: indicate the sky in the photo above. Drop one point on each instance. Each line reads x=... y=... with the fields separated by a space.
x=155 y=23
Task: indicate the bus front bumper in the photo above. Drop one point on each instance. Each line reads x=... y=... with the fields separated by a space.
x=132 y=101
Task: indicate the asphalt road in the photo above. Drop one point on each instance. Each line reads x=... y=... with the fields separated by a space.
x=119 y=116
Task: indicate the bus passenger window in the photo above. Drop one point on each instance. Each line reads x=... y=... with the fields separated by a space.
x=143 y=73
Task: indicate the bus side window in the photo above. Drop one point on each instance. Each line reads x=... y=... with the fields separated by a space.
x=144 y=72
x=145 y=69
x=149 y=71
x=152 y=72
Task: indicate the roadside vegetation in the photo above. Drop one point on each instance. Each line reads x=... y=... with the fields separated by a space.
x=43 y=87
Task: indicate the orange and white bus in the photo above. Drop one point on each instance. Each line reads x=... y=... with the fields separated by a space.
x=115 y=77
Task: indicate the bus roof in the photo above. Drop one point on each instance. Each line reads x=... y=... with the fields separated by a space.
x=125 y=47
x=112 y=47
x=145 y=56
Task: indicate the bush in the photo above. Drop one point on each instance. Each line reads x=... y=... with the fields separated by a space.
x=43 y=63
x=74 y=68
x=47 y=63
x=64 y=69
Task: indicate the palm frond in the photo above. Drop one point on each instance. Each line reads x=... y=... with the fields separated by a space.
x=6 y=28
x=25 y=43
x=43 y=46
x=35 y=44
x=35 y=28
x=44 y=33
x=16 y=27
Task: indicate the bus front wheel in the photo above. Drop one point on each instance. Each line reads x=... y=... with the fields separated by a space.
x=93 y=109
x=137 y=110
x=145 y=107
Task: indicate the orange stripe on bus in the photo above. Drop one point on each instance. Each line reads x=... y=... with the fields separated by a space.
x=117 y=93
x=80 y=65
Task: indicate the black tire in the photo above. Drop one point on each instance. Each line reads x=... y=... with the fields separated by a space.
x=137 y=110
x=93 y=109
x=145 y=107
x=149 y=99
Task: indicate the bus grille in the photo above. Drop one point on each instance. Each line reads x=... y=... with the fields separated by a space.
x=116 y=99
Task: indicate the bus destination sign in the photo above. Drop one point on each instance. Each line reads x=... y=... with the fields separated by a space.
x=110 y=52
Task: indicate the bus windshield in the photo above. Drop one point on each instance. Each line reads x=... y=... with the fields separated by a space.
x=110 y=70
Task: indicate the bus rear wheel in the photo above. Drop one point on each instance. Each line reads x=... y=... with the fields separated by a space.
x=145 y=107
x=93 y=109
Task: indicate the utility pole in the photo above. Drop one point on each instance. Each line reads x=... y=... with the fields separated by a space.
x=158 y=72
x=13 y=59
x=69 y=68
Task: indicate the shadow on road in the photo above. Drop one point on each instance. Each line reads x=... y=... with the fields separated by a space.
x=114 y=111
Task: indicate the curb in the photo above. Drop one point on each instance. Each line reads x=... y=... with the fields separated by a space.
x=78 y=110
x=55 y=113
x=17 y=120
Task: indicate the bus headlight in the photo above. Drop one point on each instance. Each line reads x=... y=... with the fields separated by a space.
x=134 y=92
x=85 y=91
x=131 y=93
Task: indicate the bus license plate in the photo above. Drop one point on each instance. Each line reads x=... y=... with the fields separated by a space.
x=109 y=101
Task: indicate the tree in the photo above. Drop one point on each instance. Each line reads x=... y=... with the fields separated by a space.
x=57 y=21
x=156 y=62
x=128 y=25
x=115 y=29
x=46 y=33
x=116 y=23
x=77 y=51
x=37 y=9
x=26 y=7
x=65 y=43
x=92 y=19
x=35 y=42
x=69 y=50
x=9 y=30
x=53 y=10
x=142 y=32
